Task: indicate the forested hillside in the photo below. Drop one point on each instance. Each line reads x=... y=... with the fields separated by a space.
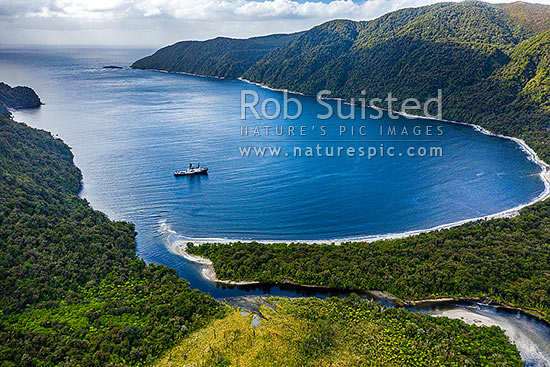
x=72 y=291
x=491 y=62
x=514 y=100
x=410 y=52
x=506 y=260
x=222 y=57
x=17 y=97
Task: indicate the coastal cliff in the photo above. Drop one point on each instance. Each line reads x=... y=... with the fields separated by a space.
x=17 y=98
x=72 y=290
x=491 y=61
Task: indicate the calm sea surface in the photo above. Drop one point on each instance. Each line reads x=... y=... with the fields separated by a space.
x=131 y=129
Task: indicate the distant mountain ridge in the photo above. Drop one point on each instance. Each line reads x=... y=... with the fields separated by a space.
x=221 y=56
x=491 y=62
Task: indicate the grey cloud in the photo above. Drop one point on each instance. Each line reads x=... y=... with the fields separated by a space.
x=155 y=23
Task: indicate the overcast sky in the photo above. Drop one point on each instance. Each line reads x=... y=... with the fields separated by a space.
x=160 y=22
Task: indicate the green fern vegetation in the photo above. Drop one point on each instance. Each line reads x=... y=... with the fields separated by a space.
x=72 y=291
x=341 y=332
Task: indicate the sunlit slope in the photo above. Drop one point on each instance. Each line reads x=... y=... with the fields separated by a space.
x=335 y=332
x=490 y=61
x=470 y=50
x=410 y=52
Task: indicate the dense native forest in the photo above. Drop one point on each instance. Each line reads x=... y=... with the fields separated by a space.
x=72 y=291
x=505 y=260
x=491 y=62
x=340 y=332
x=222 y=56
x=75 y=294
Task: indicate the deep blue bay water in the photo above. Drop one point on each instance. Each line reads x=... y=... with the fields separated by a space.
x=131 y=129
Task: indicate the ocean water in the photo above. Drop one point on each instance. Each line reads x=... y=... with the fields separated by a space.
x=131 y=129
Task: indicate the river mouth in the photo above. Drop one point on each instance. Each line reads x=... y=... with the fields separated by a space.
x=529 y=334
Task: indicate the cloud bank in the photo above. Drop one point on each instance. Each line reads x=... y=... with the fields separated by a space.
x=158 y=22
